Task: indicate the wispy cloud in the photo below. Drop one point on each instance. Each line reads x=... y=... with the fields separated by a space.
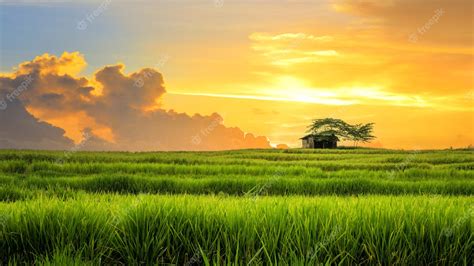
x=293 y=90
x=262 y=36
x=288 y=49
x=271 y=98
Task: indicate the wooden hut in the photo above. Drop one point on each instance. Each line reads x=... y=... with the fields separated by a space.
x=320 y=141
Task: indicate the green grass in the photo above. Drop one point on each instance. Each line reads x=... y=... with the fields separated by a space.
x=257 y=207
x=16 y=188
x=269 y=172
x=150 y=229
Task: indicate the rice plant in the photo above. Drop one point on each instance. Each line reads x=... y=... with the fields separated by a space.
x=148 y=229
x=252 y=207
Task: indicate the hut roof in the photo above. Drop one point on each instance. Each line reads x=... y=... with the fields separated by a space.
x=321 y=137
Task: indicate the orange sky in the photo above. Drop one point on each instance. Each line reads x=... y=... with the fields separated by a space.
x=271 y=69
x=366 y=67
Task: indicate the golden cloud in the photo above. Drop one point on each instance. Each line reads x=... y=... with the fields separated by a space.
x=122 y=116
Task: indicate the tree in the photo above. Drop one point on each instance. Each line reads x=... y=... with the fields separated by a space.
x=333 y=126
x=329 y=126
x=361 y=133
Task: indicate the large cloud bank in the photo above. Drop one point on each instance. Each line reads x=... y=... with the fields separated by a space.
x=116 y=111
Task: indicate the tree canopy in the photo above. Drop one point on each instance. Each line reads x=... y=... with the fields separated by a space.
x=341 y=129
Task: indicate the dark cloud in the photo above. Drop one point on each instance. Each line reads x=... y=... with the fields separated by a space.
x=20 y=130
x=127 y=104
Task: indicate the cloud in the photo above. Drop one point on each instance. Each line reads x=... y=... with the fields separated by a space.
x=287 y=49
x=263 y=36
x=398 y=18
x=402 y=47
x=67 y=63
x=125 y=105
x=371 y=58
x=20 y=130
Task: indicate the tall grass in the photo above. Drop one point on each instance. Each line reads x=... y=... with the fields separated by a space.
x=226 y=230
x=270 y=172
x=376 y=207
x=17 y=189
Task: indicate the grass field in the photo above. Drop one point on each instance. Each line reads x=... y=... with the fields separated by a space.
x=303 y=207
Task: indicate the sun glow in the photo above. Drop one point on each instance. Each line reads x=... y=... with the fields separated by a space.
x=292 y=89
x=296 y=90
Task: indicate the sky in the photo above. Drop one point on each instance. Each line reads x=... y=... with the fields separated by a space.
x=222 y=74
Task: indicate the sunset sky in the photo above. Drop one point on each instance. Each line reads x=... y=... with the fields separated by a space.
x=265 y=67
